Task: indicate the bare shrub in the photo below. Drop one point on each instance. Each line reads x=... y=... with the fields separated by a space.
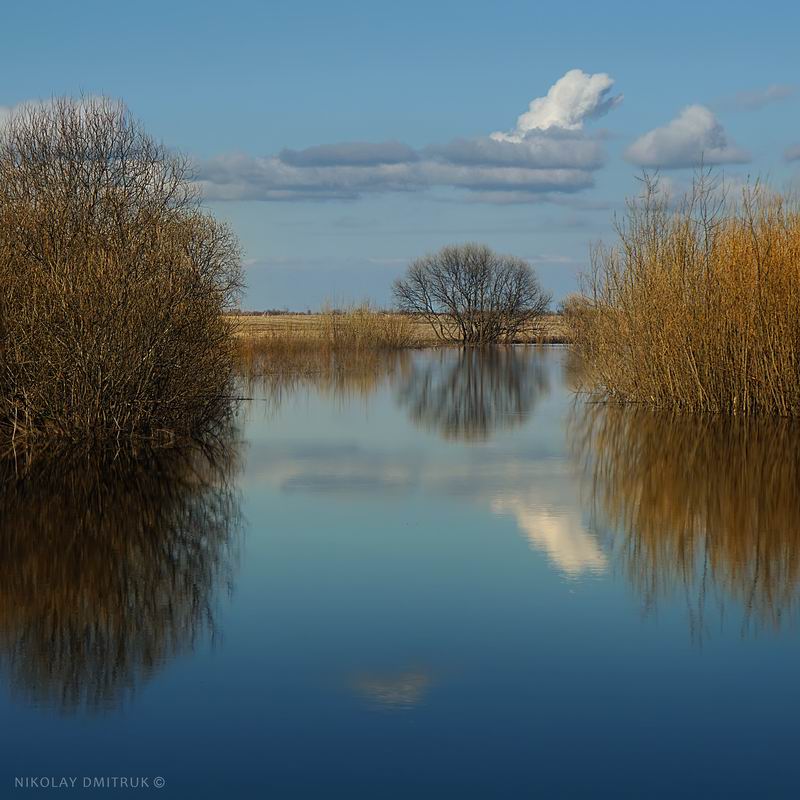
x=469 y=294
x=112 y=283
x=696 y=307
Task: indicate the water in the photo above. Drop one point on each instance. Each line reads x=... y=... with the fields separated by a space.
x=438 y=576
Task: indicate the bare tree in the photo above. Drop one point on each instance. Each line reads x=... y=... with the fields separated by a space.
x=470 y=294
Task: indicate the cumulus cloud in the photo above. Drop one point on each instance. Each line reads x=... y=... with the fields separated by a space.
x=547 y=155
x=570 y=101
x=792 y=153
x=694 y=136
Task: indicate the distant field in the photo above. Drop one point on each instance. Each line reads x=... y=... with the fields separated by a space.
x=551 y=329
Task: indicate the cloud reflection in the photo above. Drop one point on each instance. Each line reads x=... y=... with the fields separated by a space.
x=557 y=532
x=399 y=691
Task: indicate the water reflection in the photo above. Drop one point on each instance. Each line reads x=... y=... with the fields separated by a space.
x=278 y=371
x=464 y=394
x=468 y=394
x=706 y=505
x=109 y=570
x=401 y=691
x=556 y=530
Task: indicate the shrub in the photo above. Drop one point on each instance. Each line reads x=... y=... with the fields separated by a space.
x=112 y=283
x=696 y=307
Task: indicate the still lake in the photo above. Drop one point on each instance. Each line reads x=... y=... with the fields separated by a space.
x=442 y=574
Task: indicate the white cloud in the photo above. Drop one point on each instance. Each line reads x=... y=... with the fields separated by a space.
x=6 y=112
x=552 y=162
x=243 y=177
x=792 y=153
x=694 y=136
x=547 y=155
x=572 y=99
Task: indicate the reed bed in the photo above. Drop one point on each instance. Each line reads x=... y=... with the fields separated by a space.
x=363 y=327
x=705 y=505
x=697 y=306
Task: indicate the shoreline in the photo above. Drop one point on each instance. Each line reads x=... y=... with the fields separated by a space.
x=551 y=329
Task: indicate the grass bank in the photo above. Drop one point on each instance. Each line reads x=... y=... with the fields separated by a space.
x=366 y=328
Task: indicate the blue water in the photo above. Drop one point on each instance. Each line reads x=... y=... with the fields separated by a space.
x=424 y=593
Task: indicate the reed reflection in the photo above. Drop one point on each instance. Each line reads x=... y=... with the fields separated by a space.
x=468 y=394
x=279 y=369
x=706 y=505
x=109 y=570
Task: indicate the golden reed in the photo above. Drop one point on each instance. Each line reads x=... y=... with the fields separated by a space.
x=697 y=305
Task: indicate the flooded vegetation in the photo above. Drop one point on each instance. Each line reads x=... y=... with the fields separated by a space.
x=395 y=551
x=113 y=281
x=695 y=306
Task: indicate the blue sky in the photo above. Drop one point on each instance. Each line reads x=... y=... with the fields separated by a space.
x=410 y=94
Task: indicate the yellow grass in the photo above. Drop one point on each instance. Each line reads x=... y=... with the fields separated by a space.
x=316 y=327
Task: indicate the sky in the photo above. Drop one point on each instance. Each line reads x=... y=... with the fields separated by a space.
x=341 y=140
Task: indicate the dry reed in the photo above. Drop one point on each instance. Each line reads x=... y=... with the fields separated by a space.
x=363 y=327
x=696 y=307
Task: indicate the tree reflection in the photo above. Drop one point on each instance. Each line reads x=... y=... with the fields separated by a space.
x=708 y=505
x=470 y=393
x=109 y=570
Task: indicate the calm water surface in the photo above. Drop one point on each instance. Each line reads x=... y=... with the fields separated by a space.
x=438 y=576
